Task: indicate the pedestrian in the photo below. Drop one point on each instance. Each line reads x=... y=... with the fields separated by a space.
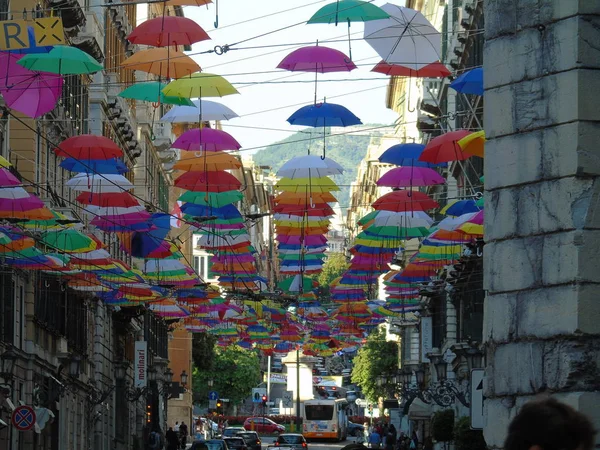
x=172 y=439
x=375 y=439
x=550 y=425
x=176 y=428
x=155 y=440
x=183 y=434
x=414 y=442
x=401 y=444
x=393 y=431
x=207 y=429
x=389 y=441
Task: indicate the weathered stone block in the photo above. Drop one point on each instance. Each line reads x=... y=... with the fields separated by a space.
x=513 y=264
x=542 y=102
x=568 y=44
x=497 y=415
x=510 y=16
x=499 y=318
x=517 y=368
x=547 y=153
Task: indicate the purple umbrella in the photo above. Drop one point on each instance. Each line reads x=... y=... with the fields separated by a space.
x=21 y=204
x=207 y=139
x=318 y=60
x=30 y=92
x=409 y=176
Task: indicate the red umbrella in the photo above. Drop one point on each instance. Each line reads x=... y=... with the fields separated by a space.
x=167 y=31
x=405 y=200
x=218 y=181
x=88 y=146
x=445 y=148
x=434 y=70
x=122 y=199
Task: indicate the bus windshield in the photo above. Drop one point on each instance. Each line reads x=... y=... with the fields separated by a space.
x=319 y=412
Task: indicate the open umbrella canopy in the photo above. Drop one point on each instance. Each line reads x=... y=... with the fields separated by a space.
x=168 y=31
x=63 y=60
x=206 y=139
x=164 y=62
x=208 y=109
x=406 y=37
x=307 y=185
x=405 y=200
x=474 y=143
x=348 y=11
x=317 y=59
x=94 y=166
x=469 y=82
x=189 y=162
x=99 y=183
x=8 y=179
x=309 y=166
x=69 y=241
x=445 y=148
x=292 y=198
x=31 y=92
x=88 y=146
x=151 y=91
x=219 y=181
x=123 y=199
x=199 y=85
x=433 y=70
x=214 y=199
x=410 y=176
x=324 y=115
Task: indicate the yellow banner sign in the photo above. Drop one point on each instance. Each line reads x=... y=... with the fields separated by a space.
x=47 y=31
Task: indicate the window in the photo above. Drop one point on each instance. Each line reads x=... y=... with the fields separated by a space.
x=202 y=267
x=319 y=412
x=197 y=265
x=7 y=294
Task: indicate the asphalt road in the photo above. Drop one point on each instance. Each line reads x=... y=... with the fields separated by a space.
x=313 y=445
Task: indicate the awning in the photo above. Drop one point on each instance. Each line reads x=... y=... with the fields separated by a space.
x=419 y=410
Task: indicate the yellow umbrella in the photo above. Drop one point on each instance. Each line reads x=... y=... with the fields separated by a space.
x=473 y=143
x=4 y=163
x=200 y=85
x=164 y=61
x=323 y=184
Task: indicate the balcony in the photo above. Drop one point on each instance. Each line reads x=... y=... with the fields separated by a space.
x=71 y=13
x=90 y=38
x=162 y=136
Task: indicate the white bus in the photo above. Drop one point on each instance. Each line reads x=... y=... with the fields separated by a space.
x=325 y=419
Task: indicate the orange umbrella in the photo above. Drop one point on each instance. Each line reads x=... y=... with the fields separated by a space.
x=225 y=268
x=17 y=245
x=32 y=214
x=208 y=162
x=165 y=62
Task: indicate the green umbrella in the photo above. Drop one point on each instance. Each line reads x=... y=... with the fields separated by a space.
x=348 y=11
x=63 y=60
x=292 y=284
x=297 y=257
x=69 y=241
x=151 y=92
x=214 y=199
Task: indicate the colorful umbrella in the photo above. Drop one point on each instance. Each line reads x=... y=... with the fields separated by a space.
x=210 y=111
x=209 y=162
x=167 y=31
x=99 y=184
x=63 y=60
x=473 y=143
x=206 y=139
x=88 y=146
x=164 y=62
x=200 y=85
x=309 y=166
x=433 y=70
x=410 y=176
x=469 y=82
x=405 y=201
x=219 y=181
x=151 y=91
x=445 y=148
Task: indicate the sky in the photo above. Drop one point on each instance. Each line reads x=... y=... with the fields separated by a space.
x=269 y=105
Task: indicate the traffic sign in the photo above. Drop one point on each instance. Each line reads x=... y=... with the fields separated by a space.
x=361 y=403
x=212 y=404
x=213 y=395
x=23 y=418
x=287 y=400
x=257 y=394
x=477 y=399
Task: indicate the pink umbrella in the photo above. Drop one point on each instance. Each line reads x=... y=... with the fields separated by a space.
x=409 y=176
x=308 y=240
x=8 y=179
x=207 y=139
x=30 y=92
x=228 y=259
x=21 y=204
x=317 y=59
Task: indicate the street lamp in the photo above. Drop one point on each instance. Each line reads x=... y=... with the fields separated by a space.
x=168 y=376
x=184 y=378
x=152 y=374
x=8 y=359
x=75 y=365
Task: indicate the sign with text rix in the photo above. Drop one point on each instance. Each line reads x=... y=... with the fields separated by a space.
x=14 y=34
x=140 y=364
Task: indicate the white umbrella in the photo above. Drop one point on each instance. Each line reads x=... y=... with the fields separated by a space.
x=94 y=210
x=210 y=111
x=452 y=223
x=13 y=193
x=406 y=38
x=411 y=219
x=308 y=251
x=208 y=240
x=162 y=265
x=99 y=184
x=309 y=166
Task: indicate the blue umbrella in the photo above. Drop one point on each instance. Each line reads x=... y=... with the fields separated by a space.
x=108 y=166
x=324 y=115
x=33 y=48
x=406 y=155
x=142 y=244
x=461 y=207
x=470 y=82
x=225 y=212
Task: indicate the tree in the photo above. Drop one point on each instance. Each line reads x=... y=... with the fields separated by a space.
x=234 y=373
x=467 y=439
x=377 y=357
x=203 y=350
x=335 y=265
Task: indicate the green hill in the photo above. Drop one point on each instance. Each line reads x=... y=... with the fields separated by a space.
x=347 y=150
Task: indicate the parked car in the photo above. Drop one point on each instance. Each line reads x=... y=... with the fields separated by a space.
x=252 y=440
x=263 y=425
x=274 y=412
x=293 y=440
x=199 y=445
x=232 y=431
x=355 y=429
x=235 y=443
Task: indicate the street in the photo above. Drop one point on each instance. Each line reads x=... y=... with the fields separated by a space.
x=314 y=445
